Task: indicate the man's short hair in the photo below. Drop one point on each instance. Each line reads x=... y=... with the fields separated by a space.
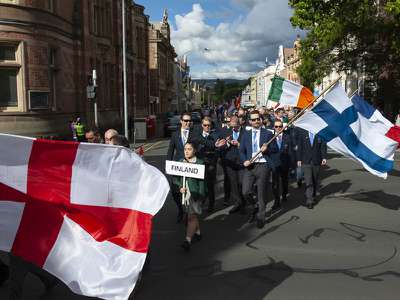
x=208 y=119
x=186 y=113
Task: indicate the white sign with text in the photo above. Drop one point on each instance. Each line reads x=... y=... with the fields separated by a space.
x=184 y=169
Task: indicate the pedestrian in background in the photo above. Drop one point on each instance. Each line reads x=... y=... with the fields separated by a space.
x=109 y=134
x=194 y=192
x=93 y=136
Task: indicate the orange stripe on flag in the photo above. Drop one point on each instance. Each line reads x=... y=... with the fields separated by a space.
x=306 y=97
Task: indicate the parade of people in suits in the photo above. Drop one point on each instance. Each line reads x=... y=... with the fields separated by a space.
x=257 y=161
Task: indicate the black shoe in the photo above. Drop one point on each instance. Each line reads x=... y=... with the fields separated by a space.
x=210 y=209
x=226 y=203
x=310 y=206
x=197 y=237
x=276 y=206
x=299 y=183
x=186 y=245
x=235 y=209
x=260 y=223
x=284 y=199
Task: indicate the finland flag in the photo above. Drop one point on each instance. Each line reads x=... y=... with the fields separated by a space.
x=353 y=128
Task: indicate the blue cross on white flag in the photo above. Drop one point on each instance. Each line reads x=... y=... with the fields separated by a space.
x=348 y=131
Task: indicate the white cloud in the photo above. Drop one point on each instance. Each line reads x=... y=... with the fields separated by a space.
x=247 y=40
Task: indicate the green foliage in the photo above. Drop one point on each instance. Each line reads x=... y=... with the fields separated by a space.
x=349 y=35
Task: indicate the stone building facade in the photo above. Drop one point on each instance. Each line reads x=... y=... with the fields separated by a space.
x=48 y=50
x=161 y=67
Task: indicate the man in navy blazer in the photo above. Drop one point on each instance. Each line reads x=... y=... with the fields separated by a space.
x=282 y=162
x=230 y=156
x=257 y=171
x=175 y=152
x=311 y=155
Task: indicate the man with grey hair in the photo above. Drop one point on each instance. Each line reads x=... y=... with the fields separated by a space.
x=109 y=134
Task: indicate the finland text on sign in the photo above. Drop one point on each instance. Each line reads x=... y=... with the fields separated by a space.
x=184 y=169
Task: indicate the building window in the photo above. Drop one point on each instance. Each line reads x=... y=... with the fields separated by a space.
x=8 y=92
x=10 y=75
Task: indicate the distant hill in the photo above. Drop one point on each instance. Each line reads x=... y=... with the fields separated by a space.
x=211 y=82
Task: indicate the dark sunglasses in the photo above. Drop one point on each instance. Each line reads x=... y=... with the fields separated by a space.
x=257 y=119
x=206 y=125
x=278 y=126
x=187 y=121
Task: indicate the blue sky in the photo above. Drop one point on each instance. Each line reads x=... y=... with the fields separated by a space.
x=239 y=34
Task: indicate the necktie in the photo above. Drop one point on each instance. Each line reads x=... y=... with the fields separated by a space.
x=184 y=136
x=205 y=134
x=255 y=141
x=235 y=135
x=311 y=138
x=279 y=142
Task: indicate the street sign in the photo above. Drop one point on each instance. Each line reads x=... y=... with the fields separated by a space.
x=91 y=91
x=184 y=169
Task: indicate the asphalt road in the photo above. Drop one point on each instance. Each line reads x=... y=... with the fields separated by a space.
x=345 y=248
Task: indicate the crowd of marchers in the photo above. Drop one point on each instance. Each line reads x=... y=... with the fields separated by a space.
x=258 y=153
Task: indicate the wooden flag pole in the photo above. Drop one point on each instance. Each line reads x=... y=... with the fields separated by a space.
x=184 y=194
x=295 y=118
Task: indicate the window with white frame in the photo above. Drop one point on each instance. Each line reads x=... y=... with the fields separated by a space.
x=10 y=68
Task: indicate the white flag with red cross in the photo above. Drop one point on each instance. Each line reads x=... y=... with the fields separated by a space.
x=83 y=212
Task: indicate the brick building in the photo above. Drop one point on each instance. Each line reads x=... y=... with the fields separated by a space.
x=48 y=49
x=162 y=67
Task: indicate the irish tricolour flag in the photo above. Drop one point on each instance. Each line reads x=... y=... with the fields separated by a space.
x=290 y=93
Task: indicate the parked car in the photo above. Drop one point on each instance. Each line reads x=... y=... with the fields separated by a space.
x=172 y=125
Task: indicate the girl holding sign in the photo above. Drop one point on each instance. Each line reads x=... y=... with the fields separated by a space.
x=194 y=192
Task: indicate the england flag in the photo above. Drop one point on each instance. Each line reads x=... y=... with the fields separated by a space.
x=83 y=212
x=354 y=129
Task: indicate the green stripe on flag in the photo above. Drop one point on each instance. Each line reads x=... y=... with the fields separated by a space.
x=276 y=90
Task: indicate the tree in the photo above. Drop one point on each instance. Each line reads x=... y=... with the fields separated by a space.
x=351 y=35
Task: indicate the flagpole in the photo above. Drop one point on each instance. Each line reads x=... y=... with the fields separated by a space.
x=296 y=118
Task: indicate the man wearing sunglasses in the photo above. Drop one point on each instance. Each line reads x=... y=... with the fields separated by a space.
x=205 y=139
x=281 y=159
x=176 y=153
x=257 y=171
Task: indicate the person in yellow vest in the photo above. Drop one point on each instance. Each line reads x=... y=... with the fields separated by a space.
x=80 y=130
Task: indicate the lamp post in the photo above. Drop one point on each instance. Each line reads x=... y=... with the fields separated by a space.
x=126 y=130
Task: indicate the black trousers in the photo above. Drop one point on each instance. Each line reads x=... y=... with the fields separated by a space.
x=235 y=177
x=257 y=174
x=227 y=186
x=210 y=178
x=280 y=183
x=176 y=195
x=311 y=178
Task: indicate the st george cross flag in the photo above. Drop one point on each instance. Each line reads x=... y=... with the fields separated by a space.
x=347 y=129
x=83 y=212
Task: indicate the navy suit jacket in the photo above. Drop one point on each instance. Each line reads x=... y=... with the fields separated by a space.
x=311 y=155
x=246 y=146
x=282 y=157
x=231 y=154
x=176 y=147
